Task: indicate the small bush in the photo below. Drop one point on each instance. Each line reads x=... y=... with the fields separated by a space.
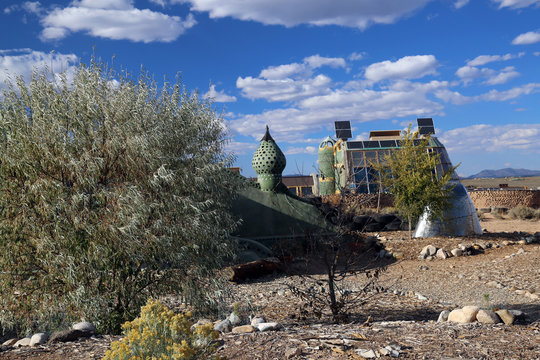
x=159 y=333
x=522 y=212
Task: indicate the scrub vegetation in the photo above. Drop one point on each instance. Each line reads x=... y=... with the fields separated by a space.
x=112 y=190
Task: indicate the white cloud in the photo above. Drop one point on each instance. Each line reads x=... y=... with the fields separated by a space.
x=240 y=148
x=282 y=89
x=493 y=138
x=316 y=112
x=356 y=56
x=485 y=59
x=115 y=19
x=161 y=3
x=468 y=73
x=219 y=96
x=351 y=13
x=460 y=3
x=289 y=82
x=408 y=67
x=316 y=61
x=314 y=105
x=516 y=4
x=301 y=150
x=495 y=95
x=527 y=38
x=503 y=76
x=21 y=62
x=453 y=97
x=33 y=7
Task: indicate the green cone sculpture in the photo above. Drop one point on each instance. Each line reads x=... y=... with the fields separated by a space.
x=268 y=162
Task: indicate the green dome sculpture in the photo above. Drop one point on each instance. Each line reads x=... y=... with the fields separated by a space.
x=268 y=162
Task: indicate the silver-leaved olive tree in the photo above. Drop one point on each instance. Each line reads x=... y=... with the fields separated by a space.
x=111 y=190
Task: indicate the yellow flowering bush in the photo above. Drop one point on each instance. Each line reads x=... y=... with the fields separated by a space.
x=160 y=334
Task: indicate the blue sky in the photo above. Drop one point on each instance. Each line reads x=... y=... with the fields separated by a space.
x=300 y=65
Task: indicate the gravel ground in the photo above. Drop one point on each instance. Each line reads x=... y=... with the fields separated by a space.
x=394 y=317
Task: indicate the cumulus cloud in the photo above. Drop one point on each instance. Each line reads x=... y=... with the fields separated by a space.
x=517 y=4
x=503 y=76
x=485 y=59
x=408 y=67
x=351 y=13
x=453 y=97
x=21 y=62
x=527 y=38
x=219 y=96
x=495 y=95
x=314 y=104
x=468 y=73
x=493 y=138
x=359 y=105
x=114 y=19
x=289 y=82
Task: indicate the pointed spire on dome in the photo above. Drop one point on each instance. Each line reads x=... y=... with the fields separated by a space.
x=269 y=162
x=267 y=136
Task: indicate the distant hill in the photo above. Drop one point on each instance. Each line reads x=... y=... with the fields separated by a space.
x=508 y=172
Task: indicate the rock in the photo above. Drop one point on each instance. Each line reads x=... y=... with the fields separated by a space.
x=465 y=315
x=428 y=250
x=22 y=342
x=420 y=296
x=456 y=252
x=367 y=354
x=201 y=322
x=84 y=326
x=506 y=316
x=223 y=326
x=38 y=339
x=441 y=254
x=68 y=335
x=234 y=319
x=257 y=320
x=9 y=342
x=268 y=326
x=244 y=329
x=443 y=316
x=292 y=352
x=532 y=296
x=520 y=251
x=487 y=317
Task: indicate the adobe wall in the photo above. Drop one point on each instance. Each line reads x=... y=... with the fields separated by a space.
x=505 y=198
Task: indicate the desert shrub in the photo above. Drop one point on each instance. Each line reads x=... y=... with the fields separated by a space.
x=522 y=212
x=111 y=191
x=159 y=333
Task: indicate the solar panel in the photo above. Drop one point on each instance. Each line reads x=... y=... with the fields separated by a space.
x=341 y=125
x=424 y=122
x=343 y=134
x=343 y=129
x=425 y=130
x=387 y=143
x=371 y=144
x=355 y=145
